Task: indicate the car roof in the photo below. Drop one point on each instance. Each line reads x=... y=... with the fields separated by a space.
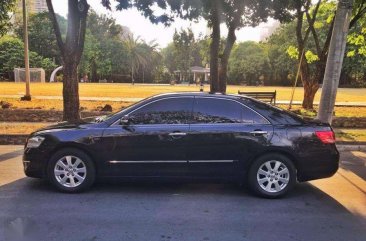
x=266 y=110
x=200 y=94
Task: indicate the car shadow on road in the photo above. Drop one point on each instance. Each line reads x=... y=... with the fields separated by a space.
x=10 y=155
x=304 y=195
x=354 y=163
x=306 y=210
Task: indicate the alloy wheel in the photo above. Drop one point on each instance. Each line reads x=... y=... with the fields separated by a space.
x=70 y=171
x=273 y=176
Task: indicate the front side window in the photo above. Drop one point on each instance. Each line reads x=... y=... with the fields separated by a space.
x=165 y=111
x=213 y=110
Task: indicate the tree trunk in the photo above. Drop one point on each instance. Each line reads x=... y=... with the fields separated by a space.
x=231 y=38
x=71 y=51
x=310 y=86
x=310 y=89
x=230 y=41
x=94 y=75
x=71 y=93
x=215 y=47
x=335 y=61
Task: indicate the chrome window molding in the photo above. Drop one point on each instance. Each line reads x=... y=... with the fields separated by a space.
x=196 y=97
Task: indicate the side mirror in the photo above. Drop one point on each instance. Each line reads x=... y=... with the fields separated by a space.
x=125 y=120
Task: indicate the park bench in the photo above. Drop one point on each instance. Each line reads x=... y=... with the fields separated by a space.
x=269 y=97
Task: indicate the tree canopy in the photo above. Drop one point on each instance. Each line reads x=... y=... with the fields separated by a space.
x=12 y=56
x=6 y=7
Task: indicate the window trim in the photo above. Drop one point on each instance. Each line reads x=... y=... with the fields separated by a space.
x=212 y=97
x=196 y=97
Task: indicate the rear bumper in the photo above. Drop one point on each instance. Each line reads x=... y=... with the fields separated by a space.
x=318 y=165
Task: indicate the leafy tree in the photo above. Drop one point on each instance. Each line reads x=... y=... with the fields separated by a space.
x=153 y=58
x=40 y=35
x=315 y=21
x=6 y=6
x=107 y=54
x=12 y=56
x=282 y=67
x=136 y=54
x=183 y=46
x=354 y=65
x=234 y=13
x=104 y=53
x=203 y=48
x=248 y=63
x=169 y=57
x=71 y=50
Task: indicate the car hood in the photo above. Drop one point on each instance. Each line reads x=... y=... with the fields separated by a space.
x=62 y=126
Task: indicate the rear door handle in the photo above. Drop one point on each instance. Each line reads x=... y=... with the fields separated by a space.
x=177 y=134
x=257 y=133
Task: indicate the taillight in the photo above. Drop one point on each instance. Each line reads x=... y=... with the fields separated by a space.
x=327 y=137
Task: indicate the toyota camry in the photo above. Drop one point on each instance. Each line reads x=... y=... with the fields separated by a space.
x=186 y=136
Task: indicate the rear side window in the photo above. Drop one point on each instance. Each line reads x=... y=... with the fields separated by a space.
x=213 y=110
x=273 y=113
x=165 y=111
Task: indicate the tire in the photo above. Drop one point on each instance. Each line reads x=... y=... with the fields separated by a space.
x=272 y=175
x=71 y=170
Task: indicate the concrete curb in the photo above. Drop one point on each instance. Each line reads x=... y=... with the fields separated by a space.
x=351 y=147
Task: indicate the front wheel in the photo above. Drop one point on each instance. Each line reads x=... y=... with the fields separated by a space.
x=272 y=175
x=71 y=170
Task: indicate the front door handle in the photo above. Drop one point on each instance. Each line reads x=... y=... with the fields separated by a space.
x=259 y=133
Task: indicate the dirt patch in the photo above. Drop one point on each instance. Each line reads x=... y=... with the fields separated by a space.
x=349 y=122
x=13 y=139
x=25 y=115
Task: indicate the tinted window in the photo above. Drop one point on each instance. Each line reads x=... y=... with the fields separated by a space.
x=273 y=113
x=166 y=111
x=210 y=110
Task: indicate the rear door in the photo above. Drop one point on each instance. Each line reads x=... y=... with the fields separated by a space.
x=223 y=135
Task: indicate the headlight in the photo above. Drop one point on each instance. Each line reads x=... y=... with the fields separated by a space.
x=35 y=141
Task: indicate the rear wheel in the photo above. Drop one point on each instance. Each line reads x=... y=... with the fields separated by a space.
x=71 y=170
x=272 y=175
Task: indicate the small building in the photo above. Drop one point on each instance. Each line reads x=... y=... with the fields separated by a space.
x=198 y=72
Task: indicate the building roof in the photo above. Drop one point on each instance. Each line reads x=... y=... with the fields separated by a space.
x=196 y=69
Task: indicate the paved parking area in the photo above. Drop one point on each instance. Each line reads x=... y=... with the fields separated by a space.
x=328 y=209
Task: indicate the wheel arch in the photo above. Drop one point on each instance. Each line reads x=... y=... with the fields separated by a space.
x=285 y=153
x=71 y=145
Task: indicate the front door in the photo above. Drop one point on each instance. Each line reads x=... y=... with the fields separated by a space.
x=154 y=143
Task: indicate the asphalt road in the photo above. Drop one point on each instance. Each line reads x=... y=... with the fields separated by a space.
x=329 y=209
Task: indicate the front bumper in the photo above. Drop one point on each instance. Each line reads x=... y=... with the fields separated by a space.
x=35 y=162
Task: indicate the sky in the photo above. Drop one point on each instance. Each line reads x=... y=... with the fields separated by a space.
x=140 y=26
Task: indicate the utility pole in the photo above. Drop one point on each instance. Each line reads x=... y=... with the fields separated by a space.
x=335 y=60
x=27 y=95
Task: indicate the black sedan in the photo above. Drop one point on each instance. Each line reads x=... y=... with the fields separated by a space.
x=191 y=136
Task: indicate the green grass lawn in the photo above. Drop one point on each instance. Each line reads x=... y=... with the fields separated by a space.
x=141 y=91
